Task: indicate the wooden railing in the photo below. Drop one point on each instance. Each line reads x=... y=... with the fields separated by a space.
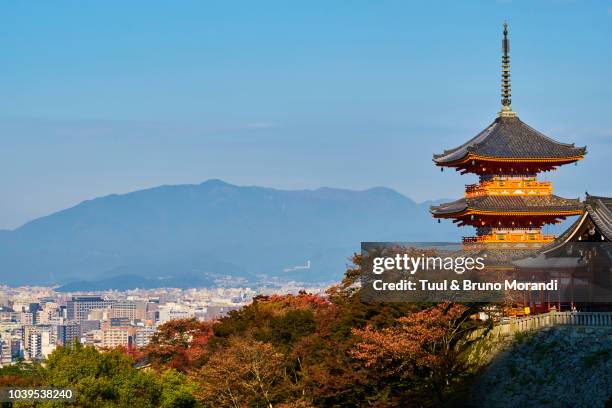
x=509 y=187
x=509 y=237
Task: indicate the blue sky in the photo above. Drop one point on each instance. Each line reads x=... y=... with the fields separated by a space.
x=110 y=97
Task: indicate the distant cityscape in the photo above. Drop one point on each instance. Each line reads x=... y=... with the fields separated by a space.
x=35 y=320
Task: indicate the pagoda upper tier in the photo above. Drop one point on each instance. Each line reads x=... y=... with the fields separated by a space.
x=509 y=146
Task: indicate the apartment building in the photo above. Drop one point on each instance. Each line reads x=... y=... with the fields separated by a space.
x=78 y=307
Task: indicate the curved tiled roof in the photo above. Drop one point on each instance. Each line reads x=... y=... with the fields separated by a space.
x=600 y=211
x=518 y=204
x=511 y=138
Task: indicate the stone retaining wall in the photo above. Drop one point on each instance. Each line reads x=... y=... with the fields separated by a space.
x=489 y=342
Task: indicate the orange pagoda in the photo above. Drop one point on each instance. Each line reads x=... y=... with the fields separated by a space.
x=509 y=206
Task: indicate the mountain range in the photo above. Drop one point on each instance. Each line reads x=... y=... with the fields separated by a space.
x=198 y=235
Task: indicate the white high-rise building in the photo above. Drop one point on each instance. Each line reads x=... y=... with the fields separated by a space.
x=6 y=356
x=173 y=311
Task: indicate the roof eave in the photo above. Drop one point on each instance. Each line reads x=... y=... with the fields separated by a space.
x=470 y=156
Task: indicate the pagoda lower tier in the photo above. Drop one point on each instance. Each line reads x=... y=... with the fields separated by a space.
x=508 y=221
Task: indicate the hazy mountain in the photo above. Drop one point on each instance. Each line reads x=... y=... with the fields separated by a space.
x=194 y=234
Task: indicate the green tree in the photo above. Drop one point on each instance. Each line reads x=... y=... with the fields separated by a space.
x=108 y=379
x=177 y=390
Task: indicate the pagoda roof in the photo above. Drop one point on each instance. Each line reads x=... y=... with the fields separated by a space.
x=511 y=138
x=509 y=204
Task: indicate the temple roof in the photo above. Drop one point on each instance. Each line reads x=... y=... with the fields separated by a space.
x=511 y=138
x=514 y=204
x=599 y=211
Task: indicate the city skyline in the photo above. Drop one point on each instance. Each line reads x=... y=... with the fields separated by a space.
x=35 y=320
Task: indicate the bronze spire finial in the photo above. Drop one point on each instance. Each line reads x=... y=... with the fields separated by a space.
x=505 y=90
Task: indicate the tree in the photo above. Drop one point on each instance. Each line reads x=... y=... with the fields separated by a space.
x=20 y=374
x=180 y=344
x=108 y=379
x=177 y=390
x=422 y=353
x=245 y=373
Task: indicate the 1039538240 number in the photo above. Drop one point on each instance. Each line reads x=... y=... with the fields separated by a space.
x=11 y=394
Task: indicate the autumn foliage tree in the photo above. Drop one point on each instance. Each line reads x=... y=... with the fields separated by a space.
x=246 y=372
x=179 y=344
x=422 y=354
x=20 y=374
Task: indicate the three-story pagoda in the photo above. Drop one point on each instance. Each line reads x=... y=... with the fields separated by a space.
x=509 y=206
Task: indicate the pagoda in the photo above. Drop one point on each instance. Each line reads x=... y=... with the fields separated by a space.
x=509 y=206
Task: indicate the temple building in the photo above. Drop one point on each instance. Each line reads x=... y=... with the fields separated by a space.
x=580 y=259
x=509 y=206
